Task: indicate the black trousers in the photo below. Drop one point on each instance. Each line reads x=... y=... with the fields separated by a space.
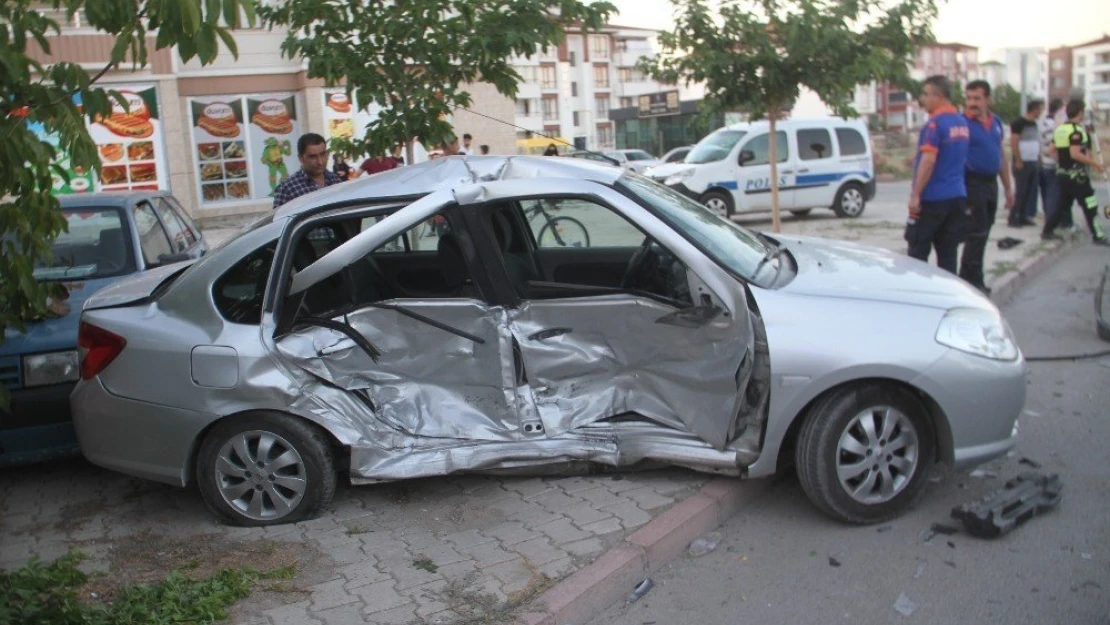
x=1078 y=191
x=982 y=202
x=941 y=225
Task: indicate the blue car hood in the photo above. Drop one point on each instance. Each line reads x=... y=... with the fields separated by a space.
x=56 y=333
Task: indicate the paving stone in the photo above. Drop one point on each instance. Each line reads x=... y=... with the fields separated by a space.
x=403 y=615
x=647 y=498
x=598 y=497
x=618 y=486
x=630 y=515
x=539 y=551
x=514 y=575
x=555 y=500
x=529 y=488
x=584 y=514
x=557 y=569
x=407 y=575
x=561 y=531
x=571 y=485
x=585 y=547
x=468 y=538
x=509 y=533
x=606 y=526
x=380 y=596
x=361 y=574
x=457 y=571
x=331 y=594
x=440 y=618
x=350 y=614
x=488 y=554
x=292 y=614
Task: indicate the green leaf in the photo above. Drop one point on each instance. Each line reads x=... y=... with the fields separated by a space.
x=229 y=41
x=190 y=15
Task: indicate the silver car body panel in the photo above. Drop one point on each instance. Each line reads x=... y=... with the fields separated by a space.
x=435 y=403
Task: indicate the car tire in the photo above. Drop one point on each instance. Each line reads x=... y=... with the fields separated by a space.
x=850 y=201
x=864 y=452
x=292 y=479
x=719 y=202
x=802 y=212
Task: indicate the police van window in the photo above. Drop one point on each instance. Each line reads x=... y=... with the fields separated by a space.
x=759 y=146
x=814 y=144
x=851 y=142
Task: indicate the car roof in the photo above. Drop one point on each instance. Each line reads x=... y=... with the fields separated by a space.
x=819 y=121
x=108 y=198
x=447 y=173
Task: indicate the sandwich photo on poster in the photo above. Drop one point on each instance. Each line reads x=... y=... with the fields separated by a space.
x=129 y=142
x=220 y=150
x=273 y=134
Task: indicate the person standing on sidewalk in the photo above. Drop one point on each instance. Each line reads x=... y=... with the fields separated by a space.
x=1025 y=148
x=985 y=161
x=938 y=197
x=1048 y=183
x=312 y=150
x=1073 y=146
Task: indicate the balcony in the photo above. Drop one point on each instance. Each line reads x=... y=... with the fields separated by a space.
x=631 y=57
x=533 y=122
x=528 y=91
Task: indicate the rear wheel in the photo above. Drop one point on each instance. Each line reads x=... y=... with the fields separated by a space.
x=719 y=202
x=850 y=201
x=265 y=469
x=863 y=453
x=563 y=232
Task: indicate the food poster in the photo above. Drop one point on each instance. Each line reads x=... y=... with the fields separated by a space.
x=80 y=181
x=273 y=130
x=220 y=149
x=130 y=143
x=343 y=118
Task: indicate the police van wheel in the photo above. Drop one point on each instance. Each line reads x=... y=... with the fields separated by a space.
x=718 y=202
x=850 y=201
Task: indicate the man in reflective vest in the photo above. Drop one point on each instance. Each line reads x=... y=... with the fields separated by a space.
x=1073 y=146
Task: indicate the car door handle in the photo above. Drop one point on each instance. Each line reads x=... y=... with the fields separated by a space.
x=548 y=333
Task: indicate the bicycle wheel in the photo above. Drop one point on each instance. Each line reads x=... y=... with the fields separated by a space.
x=563 y=232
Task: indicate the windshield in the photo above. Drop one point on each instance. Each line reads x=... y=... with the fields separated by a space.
x=97 y=244
x=638 y=155
x=733 y=247
x=714 y=147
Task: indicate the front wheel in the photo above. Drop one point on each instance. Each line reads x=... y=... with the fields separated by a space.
x=850 y=201
x=265 y=469
x=563 y=232
x=863 y=453
x=719 y=202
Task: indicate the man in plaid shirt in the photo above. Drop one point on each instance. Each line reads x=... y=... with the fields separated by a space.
x=312 y=151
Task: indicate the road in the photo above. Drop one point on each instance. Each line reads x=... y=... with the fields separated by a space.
x=781 y=562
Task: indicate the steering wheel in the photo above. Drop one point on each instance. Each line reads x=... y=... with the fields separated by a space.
x=640 y=265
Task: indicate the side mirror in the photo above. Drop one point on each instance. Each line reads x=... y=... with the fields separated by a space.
x=746 y=156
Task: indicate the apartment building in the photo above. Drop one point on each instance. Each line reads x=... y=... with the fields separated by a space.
x=897 y=109
x=569 y=91
x=1059 y=72
x=222 y=136
x=1091 y=74
x=1029 y=65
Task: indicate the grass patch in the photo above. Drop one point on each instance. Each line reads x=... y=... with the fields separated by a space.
x=53 y=594
x=425 y=563
x=1002 y=267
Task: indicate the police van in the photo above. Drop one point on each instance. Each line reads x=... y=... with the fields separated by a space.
x=823 y=163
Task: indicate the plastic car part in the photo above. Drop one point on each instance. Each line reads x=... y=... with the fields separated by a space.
x=1019 y=500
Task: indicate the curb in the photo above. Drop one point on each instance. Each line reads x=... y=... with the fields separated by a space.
x=1008 y=285
x=610 y=578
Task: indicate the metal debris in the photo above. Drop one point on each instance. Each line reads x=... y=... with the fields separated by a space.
x=640 y=590
x=704 y=544
x=833 y=562
x=904 y=606
x=1030 y=462
x=983 y=473
x=1019 y=500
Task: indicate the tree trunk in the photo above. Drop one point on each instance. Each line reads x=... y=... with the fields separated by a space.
x=773 y=156
x=410 y=152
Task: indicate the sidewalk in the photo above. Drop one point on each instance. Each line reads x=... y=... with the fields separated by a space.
x=465 y=549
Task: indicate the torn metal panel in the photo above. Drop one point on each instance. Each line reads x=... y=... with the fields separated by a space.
x=427 y=381
x=590 y=359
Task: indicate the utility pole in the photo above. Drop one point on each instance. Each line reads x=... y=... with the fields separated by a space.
x=1023 y=89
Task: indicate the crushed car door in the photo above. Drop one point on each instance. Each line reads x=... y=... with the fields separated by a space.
x=431 y=366
x=659 y=343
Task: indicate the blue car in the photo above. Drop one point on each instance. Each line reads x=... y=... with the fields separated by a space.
x=111 y=236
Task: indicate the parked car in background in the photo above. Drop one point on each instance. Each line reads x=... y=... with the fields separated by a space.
x=823 y=163
x=596 y=157
x=633 y=160
x=110 y=236
x=676 y=155
x=342 y=336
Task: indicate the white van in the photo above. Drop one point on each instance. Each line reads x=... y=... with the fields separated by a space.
x=823 y=163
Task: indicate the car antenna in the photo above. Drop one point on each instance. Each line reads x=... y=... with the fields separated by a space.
x=535 y=132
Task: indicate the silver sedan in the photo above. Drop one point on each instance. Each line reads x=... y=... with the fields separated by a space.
x=493 y=313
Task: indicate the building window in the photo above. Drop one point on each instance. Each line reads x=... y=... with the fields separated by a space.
x=550 y=109
x=622 y=45
x=1080 y=61
x=624 y=74
x=573 y=57
x=602 y=107
x=604 y=135
x=1102 y=59
x=528 y=73
x=599 y=46
x=1057 y=83
x=601 y=76
x=1081 y=81
x=626 y=103
x=547 y=76
x=1057 y=65
x=574 y=117
x=524 y=108
x=574 y=90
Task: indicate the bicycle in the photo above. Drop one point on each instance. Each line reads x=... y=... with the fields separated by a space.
x=561 y=231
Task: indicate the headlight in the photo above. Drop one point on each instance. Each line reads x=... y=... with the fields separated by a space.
x=678 y=177
x=978 y=332
x=52 y=368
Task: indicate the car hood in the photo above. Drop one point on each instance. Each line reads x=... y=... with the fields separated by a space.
x=829 y=268
x=55 y=333
x=663 y=170
x=136 y=287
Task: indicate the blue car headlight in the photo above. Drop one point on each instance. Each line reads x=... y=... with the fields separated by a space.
x=51 y=368
x=979 y=332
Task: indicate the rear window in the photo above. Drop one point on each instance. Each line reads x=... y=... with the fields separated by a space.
x=638 y=155
x=239 y=292
x=851 y=142
x=97 y=244
x=814 y=144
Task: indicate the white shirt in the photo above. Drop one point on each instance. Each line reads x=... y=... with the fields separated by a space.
x=1047 y=127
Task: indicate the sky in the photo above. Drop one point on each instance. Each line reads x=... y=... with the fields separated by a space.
x=988 y=24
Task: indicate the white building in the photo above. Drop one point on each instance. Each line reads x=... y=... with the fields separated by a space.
x=568 y=90
x=994 y=72
x=1091 y=73
x=1035 y=64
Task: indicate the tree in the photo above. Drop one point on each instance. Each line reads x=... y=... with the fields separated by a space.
x=413 y=59
x=756 y=55
x=62 y=96
x=1006 y=102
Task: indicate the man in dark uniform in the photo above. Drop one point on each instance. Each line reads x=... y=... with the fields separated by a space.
x=1073 y=146
x=985 y=161
x=938 y=197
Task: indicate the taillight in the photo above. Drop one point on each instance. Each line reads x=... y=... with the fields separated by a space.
x=99 y=348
